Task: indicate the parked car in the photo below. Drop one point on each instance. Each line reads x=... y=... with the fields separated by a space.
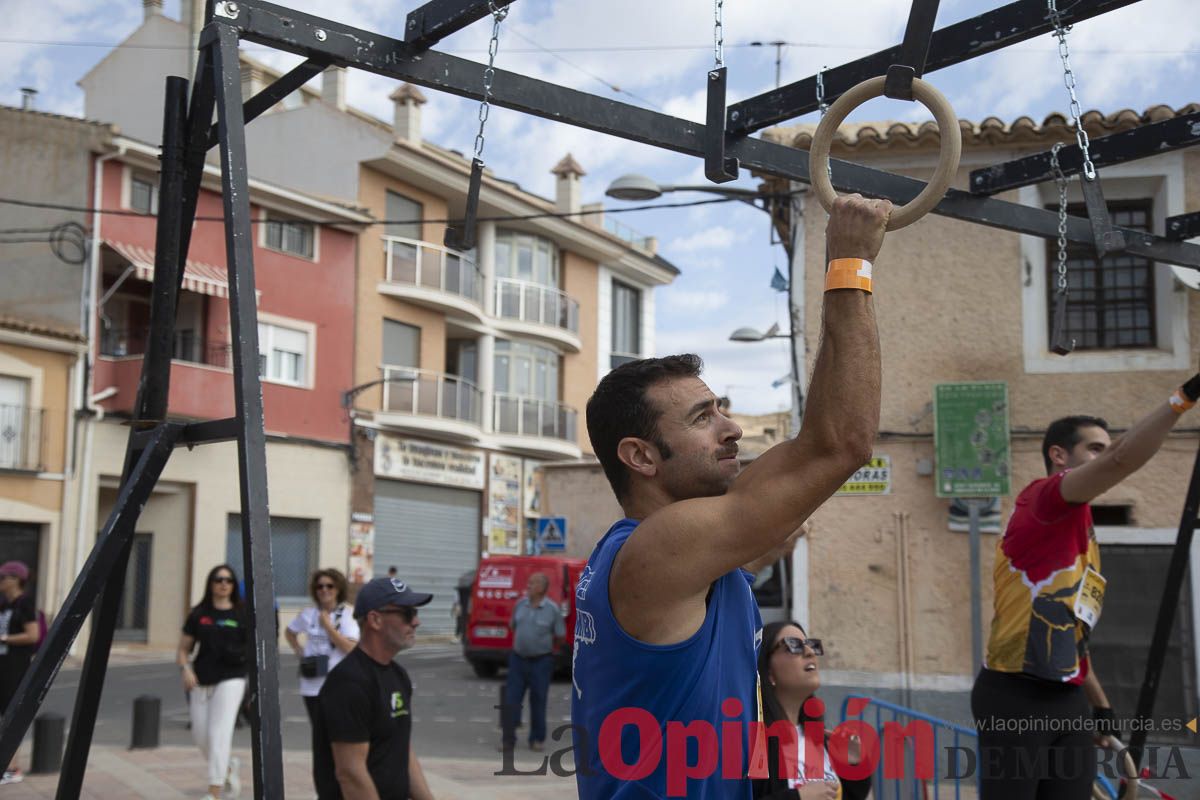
x=499 y=584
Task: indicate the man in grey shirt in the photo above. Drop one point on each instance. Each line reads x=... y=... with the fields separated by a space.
x=537 y=623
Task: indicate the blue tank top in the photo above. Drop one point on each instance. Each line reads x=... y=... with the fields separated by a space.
x=709 y=679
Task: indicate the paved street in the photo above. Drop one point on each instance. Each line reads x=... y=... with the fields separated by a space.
x=455 y=731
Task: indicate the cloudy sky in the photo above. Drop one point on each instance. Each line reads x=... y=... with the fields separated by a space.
x=655 y=54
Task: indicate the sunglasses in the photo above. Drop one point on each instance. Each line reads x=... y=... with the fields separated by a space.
x=222 y=579
x=321 y=586
x=795 y=645
x=409 y=612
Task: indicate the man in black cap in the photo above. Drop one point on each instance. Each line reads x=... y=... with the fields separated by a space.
x=366 y=704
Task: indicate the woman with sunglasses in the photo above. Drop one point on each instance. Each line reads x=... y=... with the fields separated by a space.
x=215 y=680
x=330 y=632
x=789 y=675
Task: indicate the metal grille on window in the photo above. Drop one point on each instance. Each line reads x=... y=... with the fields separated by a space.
x=1110 y=302
x=294 y=544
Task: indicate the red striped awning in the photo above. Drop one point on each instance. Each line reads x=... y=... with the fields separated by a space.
x=197 y=276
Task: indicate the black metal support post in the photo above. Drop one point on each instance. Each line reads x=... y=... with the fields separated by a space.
x=151 y=409
x=718 y=167
x=913 y=51
x=305 y=35
x=1140 y=142
x=1172 y=586
x=1011 y=24
x=266 y=736
x=438 y=19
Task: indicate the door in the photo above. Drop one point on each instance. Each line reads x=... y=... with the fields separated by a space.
x=19 y=541
x=133 y=612
x=1121 y=641
x=14 y=423
x=431 y=535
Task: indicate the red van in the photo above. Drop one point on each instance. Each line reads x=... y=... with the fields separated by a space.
x=499 y=584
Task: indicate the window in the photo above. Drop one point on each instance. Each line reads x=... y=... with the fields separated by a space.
x=1110 y=303
x=294 y=551
x=401 y=344
x=626 y=323
x=290 y=236
x=18 y=424
x=526 y=257
x=282 y=354
x=526 y=370
x=404 y=216
x=143 y=193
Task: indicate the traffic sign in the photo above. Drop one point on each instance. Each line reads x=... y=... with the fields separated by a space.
x=971 y=439
x=552 y=533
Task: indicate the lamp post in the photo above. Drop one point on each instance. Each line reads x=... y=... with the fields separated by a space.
x=641 y=188
x=754 y=335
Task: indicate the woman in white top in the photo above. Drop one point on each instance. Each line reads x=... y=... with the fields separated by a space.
x=330 y=632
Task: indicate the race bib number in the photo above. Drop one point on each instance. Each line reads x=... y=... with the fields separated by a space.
x=1090 y=598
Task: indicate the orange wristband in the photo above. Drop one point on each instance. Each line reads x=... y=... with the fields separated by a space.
x=1179 y=402
x=848 y=273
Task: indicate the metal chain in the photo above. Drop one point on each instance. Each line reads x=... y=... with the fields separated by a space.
x=718 y=34
x=498 y=15
x=822 y=106
x=1081 y=137
x=1061 y=180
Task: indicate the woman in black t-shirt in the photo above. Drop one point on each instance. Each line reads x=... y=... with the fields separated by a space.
x=216 y=679
x=18 y=639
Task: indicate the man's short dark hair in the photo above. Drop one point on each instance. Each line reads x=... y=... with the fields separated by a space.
x=1064 y=433
x=619 y=409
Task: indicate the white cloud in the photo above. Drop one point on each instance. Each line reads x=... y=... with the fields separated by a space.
x=692 y=300
x=716 y=238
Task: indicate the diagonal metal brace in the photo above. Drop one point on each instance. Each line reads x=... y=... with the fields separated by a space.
x=261 y=103
x=718 y=167
x=913 y=51
x=462 y=237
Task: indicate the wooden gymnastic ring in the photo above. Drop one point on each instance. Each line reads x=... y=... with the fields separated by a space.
x=951 y=139
x=1131 y=777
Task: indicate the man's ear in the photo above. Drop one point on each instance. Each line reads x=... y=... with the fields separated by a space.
x=1059 y=455
x=639 y=455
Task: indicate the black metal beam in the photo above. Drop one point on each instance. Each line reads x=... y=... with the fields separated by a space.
x=1140 y=142
x=266 y=732
x=1172 y=590
x=954 y=44
x=268 y=24
x=438 y=19
x=281 y=88
x=115 y=536
x=208 y=432
x=1184 y=226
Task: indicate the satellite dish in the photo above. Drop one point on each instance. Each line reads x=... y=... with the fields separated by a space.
x=1187 y=276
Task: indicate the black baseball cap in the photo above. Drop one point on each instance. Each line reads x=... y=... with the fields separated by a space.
x=382 y=592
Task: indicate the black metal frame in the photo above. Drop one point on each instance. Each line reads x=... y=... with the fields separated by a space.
x=188 y=135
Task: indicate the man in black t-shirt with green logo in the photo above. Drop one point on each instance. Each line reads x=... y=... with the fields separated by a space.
x=365 y=706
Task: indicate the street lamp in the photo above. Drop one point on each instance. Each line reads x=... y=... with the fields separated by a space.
x=640 y=188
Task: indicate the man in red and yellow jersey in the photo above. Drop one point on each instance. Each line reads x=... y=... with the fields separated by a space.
x=1037 y=703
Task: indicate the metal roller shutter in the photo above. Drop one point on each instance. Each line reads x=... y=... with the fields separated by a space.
x=431 y=534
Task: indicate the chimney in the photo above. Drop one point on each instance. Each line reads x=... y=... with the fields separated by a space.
x=28 y=93
x=408 y=101
x=566 y=189
x=151 y=8
x=333 y=87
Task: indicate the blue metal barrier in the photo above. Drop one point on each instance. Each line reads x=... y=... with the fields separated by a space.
x=910 y=786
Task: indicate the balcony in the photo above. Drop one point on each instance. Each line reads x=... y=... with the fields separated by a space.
x=531 y=309
x=542 y=427
x=431 y=402
x=21 y=438
x=201 y=373
x=188 y=346
x=432 y=276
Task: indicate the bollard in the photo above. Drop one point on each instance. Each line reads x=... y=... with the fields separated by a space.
x=47 y=744
x=145 y=722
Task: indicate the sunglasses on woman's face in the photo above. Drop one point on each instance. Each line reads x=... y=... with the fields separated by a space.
x=321 y=586
x=795 y=645
x=222 y=579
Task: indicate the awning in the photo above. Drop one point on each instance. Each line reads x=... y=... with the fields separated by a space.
x=197 y=276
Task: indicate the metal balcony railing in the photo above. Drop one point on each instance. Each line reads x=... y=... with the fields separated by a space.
x=432 y=394
x=533 y=302
x=529 y=416
x=20 y=438
x=415 y=263
x=188 y=346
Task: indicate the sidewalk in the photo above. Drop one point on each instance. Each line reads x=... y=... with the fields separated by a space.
x=177 y=773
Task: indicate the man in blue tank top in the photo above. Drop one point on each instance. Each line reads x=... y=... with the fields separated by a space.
x=665 y=682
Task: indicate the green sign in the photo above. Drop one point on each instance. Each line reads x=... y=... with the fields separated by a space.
x=971 y=441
